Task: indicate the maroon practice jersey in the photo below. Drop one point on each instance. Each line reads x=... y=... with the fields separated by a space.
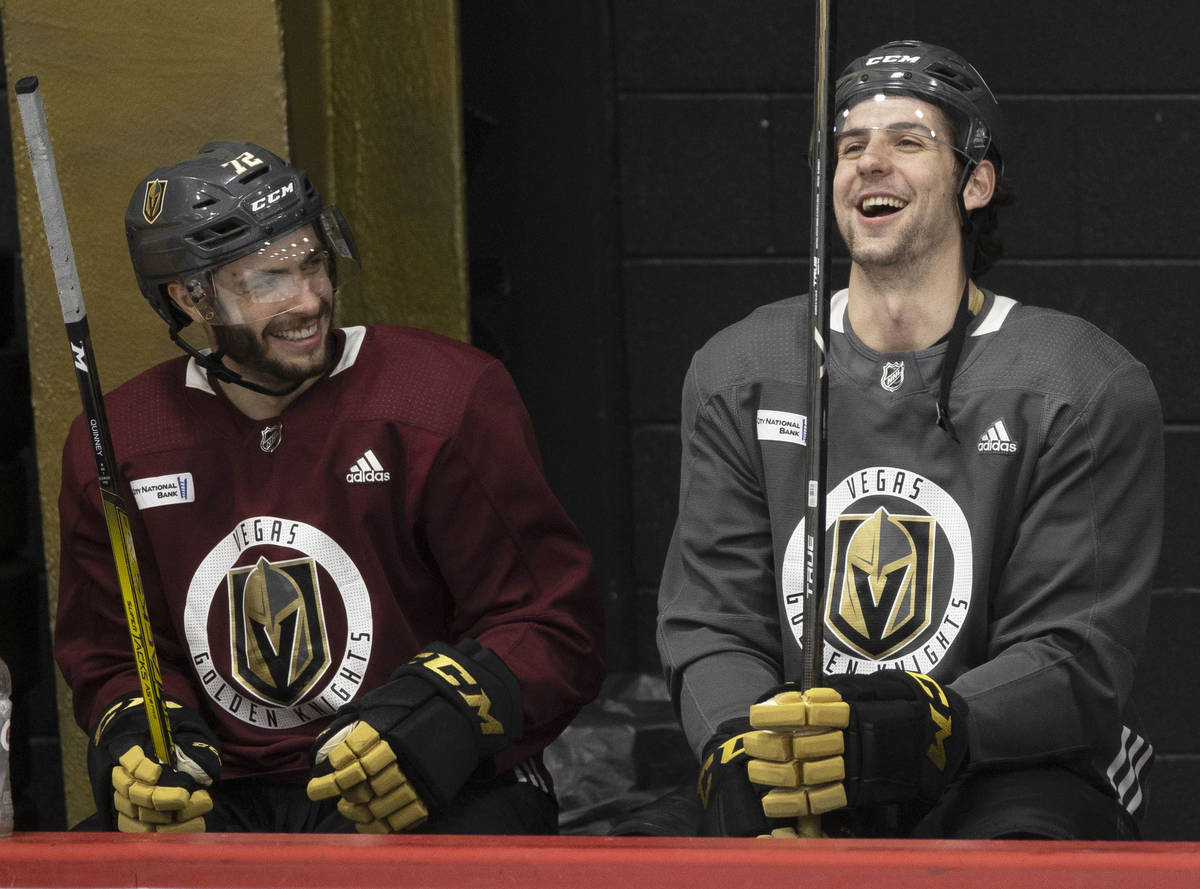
x=292 y=564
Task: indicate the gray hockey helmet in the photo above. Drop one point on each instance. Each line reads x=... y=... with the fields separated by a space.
x=934 y=74
x=198 y=214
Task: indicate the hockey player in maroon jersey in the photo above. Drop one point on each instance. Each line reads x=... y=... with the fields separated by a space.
x=371 y=611
x=994 y=513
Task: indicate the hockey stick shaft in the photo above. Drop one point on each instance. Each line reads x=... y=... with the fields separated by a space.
x=70 y=295
x=818 y=379
x=813 y=640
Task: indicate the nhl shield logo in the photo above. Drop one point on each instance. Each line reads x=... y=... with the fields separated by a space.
x=892 y=377
x=152 y=203
x=270 y=437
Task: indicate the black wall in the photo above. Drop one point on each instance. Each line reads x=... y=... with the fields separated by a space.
x=679 y=130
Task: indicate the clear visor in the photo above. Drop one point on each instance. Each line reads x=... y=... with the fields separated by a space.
x=898 y=124
x=290 y=273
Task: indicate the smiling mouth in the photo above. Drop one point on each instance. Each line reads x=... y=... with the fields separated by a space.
x=881 y=205
x=299 y=333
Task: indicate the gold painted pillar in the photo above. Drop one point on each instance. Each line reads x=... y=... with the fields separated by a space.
x=375 y=113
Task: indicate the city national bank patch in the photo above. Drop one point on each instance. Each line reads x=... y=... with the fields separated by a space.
x=782 y=426
x=162 y=490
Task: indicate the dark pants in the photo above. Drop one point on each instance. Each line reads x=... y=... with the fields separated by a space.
x=250 y=805
x=1045 y=802
x=1042 y=802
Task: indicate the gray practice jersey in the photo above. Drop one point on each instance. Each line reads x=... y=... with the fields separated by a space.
x=1014 y=565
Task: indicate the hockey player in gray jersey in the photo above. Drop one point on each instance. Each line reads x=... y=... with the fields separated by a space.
x=993 y=517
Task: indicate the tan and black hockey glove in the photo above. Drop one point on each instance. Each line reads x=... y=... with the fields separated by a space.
x=134 y=792
x=401 y=752
x=863 y=740
x=731 y=805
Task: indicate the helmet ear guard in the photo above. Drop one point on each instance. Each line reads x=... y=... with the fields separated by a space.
x=334 y=232
x=202 y=299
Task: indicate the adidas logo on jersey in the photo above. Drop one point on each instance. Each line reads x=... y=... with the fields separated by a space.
x=996 y=440
x=367 y=469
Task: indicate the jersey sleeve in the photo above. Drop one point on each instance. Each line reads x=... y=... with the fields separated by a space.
x=718 y=627
x=1070 y=608
x=91 y=640
x=519 y=570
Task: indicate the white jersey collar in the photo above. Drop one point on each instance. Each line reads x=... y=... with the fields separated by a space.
x=992 y=320
x=197 y=376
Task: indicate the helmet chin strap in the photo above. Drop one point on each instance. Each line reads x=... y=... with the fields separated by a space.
x=962 y=318
x=212 y=363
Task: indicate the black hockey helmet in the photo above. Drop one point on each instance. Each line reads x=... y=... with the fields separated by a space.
x=203 y=212
x=934 y=74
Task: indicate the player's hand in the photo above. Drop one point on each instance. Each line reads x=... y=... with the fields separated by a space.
x=374 y=793
x=904 y=739
x=134 y=792
x=401 y=752
x=798 y=752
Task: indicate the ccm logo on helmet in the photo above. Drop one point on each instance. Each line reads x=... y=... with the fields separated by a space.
x=272 y=197
x=901 y=59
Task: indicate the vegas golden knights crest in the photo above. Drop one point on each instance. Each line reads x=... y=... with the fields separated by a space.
x=880 y=587
x=278 y=638
x=152 y=203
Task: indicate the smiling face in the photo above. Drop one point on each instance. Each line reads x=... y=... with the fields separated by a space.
x=894 y=184
x=270 y=313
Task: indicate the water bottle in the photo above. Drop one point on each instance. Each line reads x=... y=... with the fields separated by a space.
x=6 y=803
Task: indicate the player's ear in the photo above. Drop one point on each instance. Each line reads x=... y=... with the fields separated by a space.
x=981 y=185
x=192 y=299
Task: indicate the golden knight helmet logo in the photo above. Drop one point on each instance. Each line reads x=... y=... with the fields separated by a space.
x=880 y=590
x=152 y=203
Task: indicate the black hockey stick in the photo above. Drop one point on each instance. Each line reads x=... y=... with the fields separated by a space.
x=820 y=163
x=818 y=380
x=66 y=276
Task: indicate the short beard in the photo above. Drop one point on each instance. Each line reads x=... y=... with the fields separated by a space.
x=899 y=254
x=909 y=249
x=250 y=352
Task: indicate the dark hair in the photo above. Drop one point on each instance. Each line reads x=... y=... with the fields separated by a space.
x=989 y=246
x=985 y=221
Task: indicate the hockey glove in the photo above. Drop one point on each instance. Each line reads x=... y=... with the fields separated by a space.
x=134 y=792
x=799 y=751
x=403 y=751
x=904 y=739
x=731 y=805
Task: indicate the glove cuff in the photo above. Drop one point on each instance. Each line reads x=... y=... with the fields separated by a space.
x=907 y=737
x=731 y=805
x=477 y=684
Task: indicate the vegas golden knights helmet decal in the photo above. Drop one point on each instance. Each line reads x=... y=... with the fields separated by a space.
x=278 y=638
x=152 y=203
x=880 y=588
